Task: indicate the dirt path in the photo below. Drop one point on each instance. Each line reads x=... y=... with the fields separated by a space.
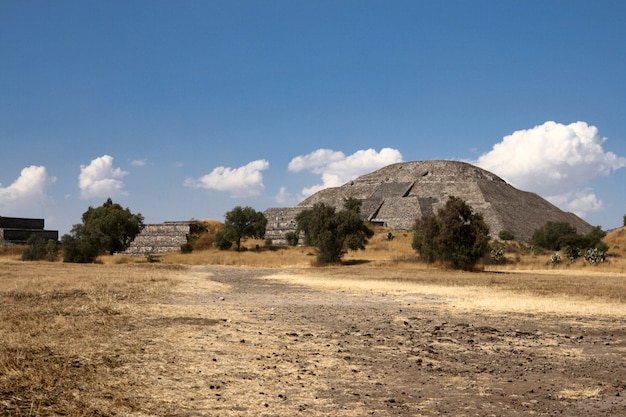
x=231 y=343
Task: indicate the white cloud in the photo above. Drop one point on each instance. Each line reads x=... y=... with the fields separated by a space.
x=336 y=168
x=100 y=179
x=28 y=190
x=556 y=161
x=285 y=198
x=138 y=162
x=244 y=181
x=579 y=202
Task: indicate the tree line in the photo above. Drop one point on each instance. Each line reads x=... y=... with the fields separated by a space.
x=454 y=236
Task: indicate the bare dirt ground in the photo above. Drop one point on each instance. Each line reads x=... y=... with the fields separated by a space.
x=263 y=347
x=233 y=341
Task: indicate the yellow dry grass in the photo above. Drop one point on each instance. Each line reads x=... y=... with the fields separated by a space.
x=580 y=393
x=62 y=327
x=563 y=294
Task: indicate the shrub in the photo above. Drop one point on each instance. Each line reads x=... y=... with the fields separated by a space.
x=571 y=253
x=497 y=251
x=505 y=235
x=186 y=248
x=39 y=249
x=150 y=258
x=292 y=238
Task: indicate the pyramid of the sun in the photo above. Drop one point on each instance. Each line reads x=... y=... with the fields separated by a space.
x=396 y=195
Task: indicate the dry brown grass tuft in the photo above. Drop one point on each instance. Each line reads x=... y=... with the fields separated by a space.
x=11 y=252
x=616 y=239
x=205 y=240
x=580 y=393
x=64 y=331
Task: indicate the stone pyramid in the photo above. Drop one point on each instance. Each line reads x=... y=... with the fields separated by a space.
x=396 y=195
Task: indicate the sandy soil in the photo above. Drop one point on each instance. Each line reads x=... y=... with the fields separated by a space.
x=231 y=342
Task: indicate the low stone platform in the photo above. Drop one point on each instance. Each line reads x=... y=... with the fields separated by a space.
x=160 y=238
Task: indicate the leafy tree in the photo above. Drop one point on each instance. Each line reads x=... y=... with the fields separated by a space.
x=425 y=237
x=105 y=229
x=594 y=237
x=456 y=235
x=222 y=240
x=333 y=232
x=242 y=222
x=550 y=235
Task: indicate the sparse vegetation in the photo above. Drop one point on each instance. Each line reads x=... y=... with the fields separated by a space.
x=186 y=248
x=497 y=251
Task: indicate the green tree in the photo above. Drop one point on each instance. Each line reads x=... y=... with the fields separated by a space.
x=425 y=237
x=242 y=222
x=105 y=229
x=594 y=238
x=333 y=232
x=550 y=235
x=455 y=236
x=222 y=240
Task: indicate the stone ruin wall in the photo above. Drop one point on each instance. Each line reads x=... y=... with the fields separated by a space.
x=280 y=221
x=160 y=238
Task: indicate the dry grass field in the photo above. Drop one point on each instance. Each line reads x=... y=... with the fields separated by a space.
x=264 y=333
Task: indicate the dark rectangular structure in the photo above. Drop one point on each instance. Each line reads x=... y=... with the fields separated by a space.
x=19 y=230
x=20 y=223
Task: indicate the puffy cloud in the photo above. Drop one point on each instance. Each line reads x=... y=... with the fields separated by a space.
x=100 y=179
x=244 y=181
x=580 y=202
x=336 y=168
x=28 y=190
x=556 y=161
x=285 y=199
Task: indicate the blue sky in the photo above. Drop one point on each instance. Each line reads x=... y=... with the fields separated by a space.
x=186 y=109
